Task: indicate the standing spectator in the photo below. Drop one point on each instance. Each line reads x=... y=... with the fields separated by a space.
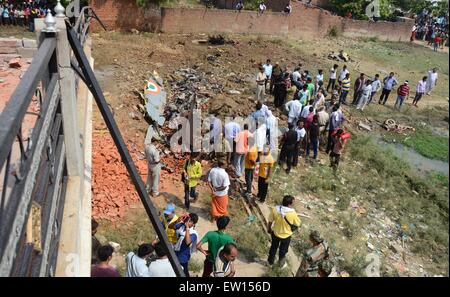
x=432 y=80
x=376 y=86
x=365 y=94
x=192 y=172
x=288 y=146
x=337 y=119
x=232 y=129
x=402 y=94
x=345 y=85
x=420 y=90
x=154 y=165
x=294 y=109
x=95 y=242
x=1 y=13
x=215 y=240
x=169 y=217
x=260 y=84
x=301 y=133
x=161 y=267
x=224 y=266
x=275 y=75
x=389 y=83
x=333 y=75
x=437 y=42
x=262 y=7
x=239 y=6
x=265 y=173
x=280 y=90
x=219 y=182
x=283 y=220
x=137 y=263
x=358 y=87
x=187 y=240
x=6 y=20
x=343 y=74
x=319 y=78
x=338 y=146
x=287 y=9
x=250 y=165
x=241 y=149
x=313 y=137
x=102 y=268
x=268 y=72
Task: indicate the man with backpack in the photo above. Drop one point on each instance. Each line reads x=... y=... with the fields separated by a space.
x=315 y=258
x=283 y=221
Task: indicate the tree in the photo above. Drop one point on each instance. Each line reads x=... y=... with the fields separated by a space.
x=358 y=8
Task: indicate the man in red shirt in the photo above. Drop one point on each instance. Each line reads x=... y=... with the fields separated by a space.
x=402 y=94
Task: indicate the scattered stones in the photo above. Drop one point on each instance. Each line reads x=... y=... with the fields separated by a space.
x=234 y=92
x=396 y=248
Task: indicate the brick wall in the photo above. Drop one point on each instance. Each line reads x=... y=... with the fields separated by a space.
x=126 y=15
x=273 y=5
x=303 y=22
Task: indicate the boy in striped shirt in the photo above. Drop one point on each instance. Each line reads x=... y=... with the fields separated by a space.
x=345 y=85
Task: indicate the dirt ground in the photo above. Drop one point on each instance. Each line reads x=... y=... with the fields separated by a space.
x=125 y=61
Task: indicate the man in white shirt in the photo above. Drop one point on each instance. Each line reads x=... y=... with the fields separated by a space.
x=160 y=267
x=231 y=131
x=320 y=100
x=219 y=181
x=420 y=90
x=333 y=75
x=260 y=84
x=262 y=7
x=305 y=110
x=224 y=266
x=343 y=73
x=319 y=78
x=294 y=108
x=431 y=81
x=301 y=133
x=376 y=86
x=137 y=263
x=268 y=72
x=365 y=95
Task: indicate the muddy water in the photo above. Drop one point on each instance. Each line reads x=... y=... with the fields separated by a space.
x=423 y=164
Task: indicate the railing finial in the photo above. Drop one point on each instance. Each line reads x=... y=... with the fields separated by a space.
x=49 y=22
x=60 y=10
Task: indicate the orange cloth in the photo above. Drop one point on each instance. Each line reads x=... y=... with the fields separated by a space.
x=219 y=206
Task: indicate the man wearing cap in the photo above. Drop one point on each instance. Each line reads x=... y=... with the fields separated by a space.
x=402 y=93
x=315 y=257
x=154 y=165
x=169 y=217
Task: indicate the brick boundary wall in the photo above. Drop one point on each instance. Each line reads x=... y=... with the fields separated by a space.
x=303 y=22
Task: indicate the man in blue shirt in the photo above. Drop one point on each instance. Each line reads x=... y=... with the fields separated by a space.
x=389 y=83
x=268 y=72
x=187 y=239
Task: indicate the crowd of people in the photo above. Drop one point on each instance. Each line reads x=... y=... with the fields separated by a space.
x=314 y=117
x=431 y=28
x=22 y=14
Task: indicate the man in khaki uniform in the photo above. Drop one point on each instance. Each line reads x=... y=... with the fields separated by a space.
x=154 y=165
x=315 y=262
x=260 y=82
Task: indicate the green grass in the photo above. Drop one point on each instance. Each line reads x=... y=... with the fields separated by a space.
x=423 y=141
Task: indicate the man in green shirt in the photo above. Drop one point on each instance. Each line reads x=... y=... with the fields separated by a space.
x=311 y=87
x=215 y=240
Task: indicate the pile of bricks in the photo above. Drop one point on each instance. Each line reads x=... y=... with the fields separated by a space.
x=112 y=189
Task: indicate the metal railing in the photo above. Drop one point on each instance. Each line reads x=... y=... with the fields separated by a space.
x=32 y=162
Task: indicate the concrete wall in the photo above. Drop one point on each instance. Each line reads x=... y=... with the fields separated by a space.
x=13 y=47
x=303 y=22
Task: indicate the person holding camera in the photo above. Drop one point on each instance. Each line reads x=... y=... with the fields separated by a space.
x=192 y=172
x=187 y=239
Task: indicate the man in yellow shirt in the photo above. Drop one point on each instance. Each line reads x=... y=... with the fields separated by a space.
x=192 y=172
x=265 y=173
x=250 y=164
x=283 y=220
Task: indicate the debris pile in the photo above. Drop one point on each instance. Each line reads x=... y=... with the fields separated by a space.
x=391 y=125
